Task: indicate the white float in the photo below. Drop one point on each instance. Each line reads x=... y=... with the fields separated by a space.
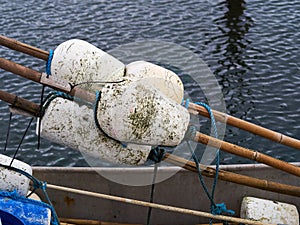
x=80 y=62
x=67 y=123
x=159 y=77
x=137 y=112
x=141 y=105
x=270 y=212
x=11 y=180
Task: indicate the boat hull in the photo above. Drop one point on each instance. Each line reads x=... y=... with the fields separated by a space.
x=181 y=189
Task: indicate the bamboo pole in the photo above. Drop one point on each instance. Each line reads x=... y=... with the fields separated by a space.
x=20 y=70
x=21 y=47
x=233 y=177
x=21 y=103
x=247 y=153
x=244 y=125
x=194 y=108
x=155 y=205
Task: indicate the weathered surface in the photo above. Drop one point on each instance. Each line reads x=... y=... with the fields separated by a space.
x=267 y=211
x=11 y=180
x=159 y=77
x=136 y=112
x=67 y=123
x=82 y=63
x=30 y=213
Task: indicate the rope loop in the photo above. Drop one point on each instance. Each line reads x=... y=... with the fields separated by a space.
x=216 y=209
x=48 y=63
x=51 y=96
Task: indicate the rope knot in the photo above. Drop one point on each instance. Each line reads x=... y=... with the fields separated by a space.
x=218 y=209
x=156 y=154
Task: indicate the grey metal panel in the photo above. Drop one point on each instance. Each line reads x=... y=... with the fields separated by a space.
x=182 y=189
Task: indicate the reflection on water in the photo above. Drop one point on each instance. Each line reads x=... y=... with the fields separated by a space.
x=231 y=46
x=234 y=25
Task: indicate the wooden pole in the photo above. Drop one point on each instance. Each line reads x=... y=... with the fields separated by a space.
x=33 y=108
x=20 y=103
x=20 y=70
x=194 y=108
x=247 y=153
x=154 y=205
x=21 y=47
x=244 y=125
x=233 y=177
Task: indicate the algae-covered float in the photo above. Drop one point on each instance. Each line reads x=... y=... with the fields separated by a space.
x=137 y=108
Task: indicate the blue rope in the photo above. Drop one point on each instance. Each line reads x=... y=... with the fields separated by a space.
x=213 y=124
x=51 y=96
x=37 y=185
x=48 y=63
x=216 y=209
x=211 y=115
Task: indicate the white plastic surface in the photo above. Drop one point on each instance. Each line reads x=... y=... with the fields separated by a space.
x=67 y=123
x=159 y=77
x=11 y=180
x=80 y=62
x=136 y=112
x=268 y=211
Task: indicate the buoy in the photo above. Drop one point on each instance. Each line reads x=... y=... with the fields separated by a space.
x=11 y=180
x=267 y=211
x=159 y=77
x=139 y=105
x=81 y=63
x=137 y=112
x=70 y=124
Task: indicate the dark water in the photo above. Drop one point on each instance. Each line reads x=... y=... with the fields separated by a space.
x=252 y=47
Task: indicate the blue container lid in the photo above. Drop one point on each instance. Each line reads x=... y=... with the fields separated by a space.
x=9 y=219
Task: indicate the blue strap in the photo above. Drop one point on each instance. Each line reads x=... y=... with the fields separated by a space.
x=48 y=63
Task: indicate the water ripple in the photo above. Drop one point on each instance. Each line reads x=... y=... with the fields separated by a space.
x=252 y=47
